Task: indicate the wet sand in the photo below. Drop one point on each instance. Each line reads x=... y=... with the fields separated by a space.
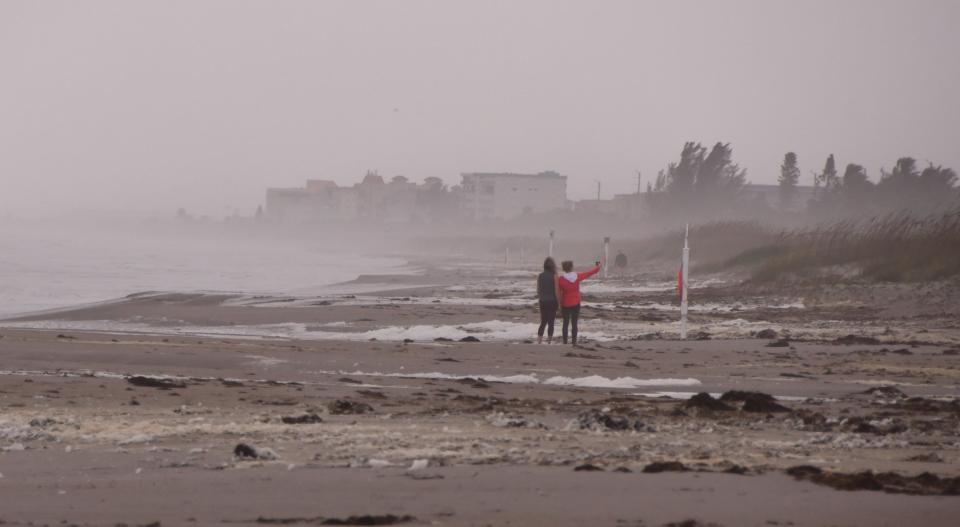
x=138 y=421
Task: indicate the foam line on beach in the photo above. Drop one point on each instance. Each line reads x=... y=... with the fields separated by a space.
x=493 y=330
x=103 y=374
x=590 y=381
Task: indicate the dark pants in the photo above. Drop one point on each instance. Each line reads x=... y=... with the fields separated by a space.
x=570 y=314
x=548 y=313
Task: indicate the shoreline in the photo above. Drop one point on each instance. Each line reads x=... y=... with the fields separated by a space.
x=345 y=394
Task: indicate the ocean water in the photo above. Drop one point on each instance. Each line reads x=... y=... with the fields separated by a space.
x=46 y=268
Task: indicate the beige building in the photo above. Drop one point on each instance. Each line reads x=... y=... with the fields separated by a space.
x=503 y=195
x=373 y=199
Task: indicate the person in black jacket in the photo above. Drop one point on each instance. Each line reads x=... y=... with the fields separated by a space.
x=549 y=296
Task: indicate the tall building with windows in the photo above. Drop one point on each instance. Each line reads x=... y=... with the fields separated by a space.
x=504 y=195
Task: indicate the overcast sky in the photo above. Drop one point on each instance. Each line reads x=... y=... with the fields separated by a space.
x=200 y=104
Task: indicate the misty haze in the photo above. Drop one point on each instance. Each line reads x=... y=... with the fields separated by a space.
x=479 y=263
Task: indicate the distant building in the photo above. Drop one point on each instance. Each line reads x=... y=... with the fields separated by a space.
x=770 y=195
x=503 y=195
x=373 y=199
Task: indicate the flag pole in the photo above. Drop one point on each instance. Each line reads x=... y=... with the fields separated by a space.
x=684 y=276
x=606 y=254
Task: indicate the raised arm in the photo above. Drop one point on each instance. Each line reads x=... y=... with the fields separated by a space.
x=588 y=274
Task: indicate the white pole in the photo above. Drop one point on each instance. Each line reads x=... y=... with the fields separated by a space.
x=685 y=264
x=476 y=198
x=606 y=256
x=550 y=250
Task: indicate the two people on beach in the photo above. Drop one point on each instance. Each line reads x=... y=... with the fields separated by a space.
x=555 y=290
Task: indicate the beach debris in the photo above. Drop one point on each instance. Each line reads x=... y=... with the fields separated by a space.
x=923 y=404
x=924 y=484
x=43 y=422
x=929 y=457
x=162 y=383
x=503 y=420
x=886 y=394
x=419 y=464
x=345 y=407
x=136 y=438
x=244 y=451
x=366 y=462
x=757 y=402
x=701 y=335
x=364 y=519
x=587 y=467
x=665 y=466
x=473 y=382
x=856 y=339
x=370 y=519
x=766 y=334
x=469 y=338
x=736 y=469
x=599 y=421
x=602 y=420
x=779 y=343
x=62 y=336
x=307 y=418
x=705 y=401
x=864 y=425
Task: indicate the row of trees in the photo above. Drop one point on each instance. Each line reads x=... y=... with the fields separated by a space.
x=906 y=186
x=707 y=183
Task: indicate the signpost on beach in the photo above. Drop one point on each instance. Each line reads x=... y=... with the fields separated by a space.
x=684 y=264
x=550 y=249
x=606 y=255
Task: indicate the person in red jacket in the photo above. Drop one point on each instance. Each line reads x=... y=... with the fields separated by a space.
x=569 y=283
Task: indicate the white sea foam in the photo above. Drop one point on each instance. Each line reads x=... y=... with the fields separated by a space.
x=495 y=330
x=591 y=381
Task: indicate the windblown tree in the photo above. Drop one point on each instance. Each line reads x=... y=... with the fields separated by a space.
x=789 y=178
x=905 y=187
x=701 y=183
x=826 y=188
x=856 y=189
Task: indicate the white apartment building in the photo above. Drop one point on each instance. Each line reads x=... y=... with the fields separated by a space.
x=485 y=195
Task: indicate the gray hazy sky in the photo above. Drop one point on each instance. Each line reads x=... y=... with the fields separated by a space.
x=156 y=105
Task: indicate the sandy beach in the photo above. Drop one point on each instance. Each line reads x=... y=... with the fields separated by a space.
x=421 y=399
